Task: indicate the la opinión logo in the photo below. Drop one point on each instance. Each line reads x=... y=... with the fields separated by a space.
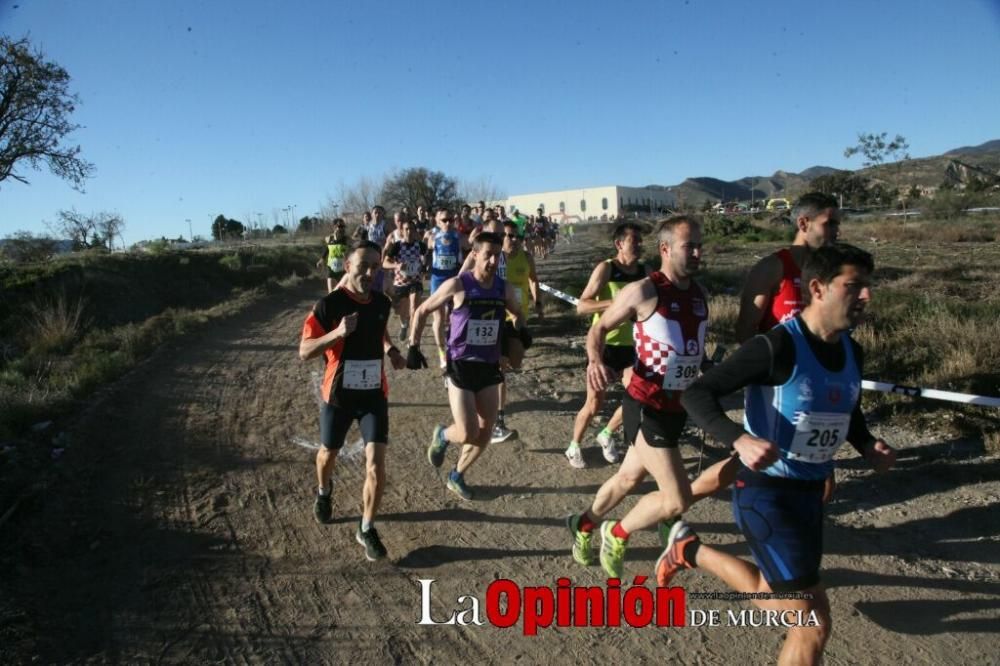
x=566 y=605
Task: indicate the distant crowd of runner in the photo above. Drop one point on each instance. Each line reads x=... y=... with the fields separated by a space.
x=798 y=368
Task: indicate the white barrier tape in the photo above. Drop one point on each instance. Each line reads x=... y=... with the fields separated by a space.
x=884 y=387
x=559 y=294
x=933 y=394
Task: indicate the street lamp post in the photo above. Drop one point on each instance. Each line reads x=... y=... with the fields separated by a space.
x=190 y=233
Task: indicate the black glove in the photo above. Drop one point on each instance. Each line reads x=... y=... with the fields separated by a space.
x=526 y=339
x=415 y=359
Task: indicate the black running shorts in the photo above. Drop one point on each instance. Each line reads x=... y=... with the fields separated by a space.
x=618 y=357
x=661 y=430
x=474 y=375
x=372 y=415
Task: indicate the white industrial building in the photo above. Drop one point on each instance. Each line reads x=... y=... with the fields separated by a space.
x=595 y=203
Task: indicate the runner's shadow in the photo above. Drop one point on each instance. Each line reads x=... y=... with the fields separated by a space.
x=924 y=617
x=470 y=516
x=435 y=556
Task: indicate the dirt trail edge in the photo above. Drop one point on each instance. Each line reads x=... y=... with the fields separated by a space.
x=182 y=529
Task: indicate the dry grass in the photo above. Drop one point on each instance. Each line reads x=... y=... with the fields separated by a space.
x=54 y=323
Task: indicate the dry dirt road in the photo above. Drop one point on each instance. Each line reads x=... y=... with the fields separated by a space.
x=181 y=530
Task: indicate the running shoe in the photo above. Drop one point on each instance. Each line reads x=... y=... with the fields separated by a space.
x=672 y=559
x=438 y=446
x=583 y=552
x=609 y=447
x=501 y=433
x=575 y=456
x=456 y=484
x=374 y=550
x=323 y=509
x=612 y=550
x=663 y=529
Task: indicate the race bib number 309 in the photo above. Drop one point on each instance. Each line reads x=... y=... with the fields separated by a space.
x=681 y=371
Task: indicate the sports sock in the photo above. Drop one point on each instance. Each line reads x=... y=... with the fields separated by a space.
x=619 y=531
x=586 y=524
x=325 y=492
x=691 y=551
x=366 y=524
x=605 y=432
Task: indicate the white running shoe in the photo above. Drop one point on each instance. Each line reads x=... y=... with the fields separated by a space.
x=575 y=457
x=609 y=447
x=501 y=433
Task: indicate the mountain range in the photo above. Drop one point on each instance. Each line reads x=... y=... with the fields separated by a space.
x=956 y=167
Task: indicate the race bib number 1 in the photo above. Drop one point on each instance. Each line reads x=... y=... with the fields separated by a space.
x=363 y=375
x=681 y=371
x=482 y=332
x=818 y=435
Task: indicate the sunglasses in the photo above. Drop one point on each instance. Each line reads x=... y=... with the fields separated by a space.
x=513 y=236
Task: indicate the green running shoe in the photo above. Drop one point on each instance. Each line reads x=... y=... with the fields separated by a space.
x=663 y=529
x=438 y=446
x=583 y=552
x=456 y=484
x=612 y=550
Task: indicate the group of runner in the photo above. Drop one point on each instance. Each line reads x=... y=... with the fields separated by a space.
x=482 y=285
x=799 y=369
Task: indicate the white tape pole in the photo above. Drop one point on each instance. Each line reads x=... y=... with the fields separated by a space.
x=884 y=387
x=559 y=294
x=933 y=394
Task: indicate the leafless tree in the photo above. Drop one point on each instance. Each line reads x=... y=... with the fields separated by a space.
x=480 y=189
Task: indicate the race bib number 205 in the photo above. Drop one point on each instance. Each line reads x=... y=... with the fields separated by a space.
x=818 y=435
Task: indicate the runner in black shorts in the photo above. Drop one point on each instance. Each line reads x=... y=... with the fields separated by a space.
x=348 y=328
x=479 y=299
x=670 y=311
x=607 y=279
x=405 y=258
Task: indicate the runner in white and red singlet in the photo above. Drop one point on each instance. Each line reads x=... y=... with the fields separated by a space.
x=670 y=311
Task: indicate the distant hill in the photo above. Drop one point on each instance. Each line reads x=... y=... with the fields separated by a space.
x=988 y=147
x=955 y=167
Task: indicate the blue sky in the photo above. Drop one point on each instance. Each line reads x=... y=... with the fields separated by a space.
x=194 y=108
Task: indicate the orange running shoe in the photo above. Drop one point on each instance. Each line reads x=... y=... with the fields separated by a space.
x=672 y=559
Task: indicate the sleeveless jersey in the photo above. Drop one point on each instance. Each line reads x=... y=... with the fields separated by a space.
x=788 y=301
x=807 y=416
x=375 y=233
x=517 y=272
x=411 y=258
x=622 y=335
x=447 y=254
x=669 y=345
x=354 y=364
x=335 y=254
x=475 y=326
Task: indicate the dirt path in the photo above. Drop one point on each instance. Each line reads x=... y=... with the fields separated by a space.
x=182 y=528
